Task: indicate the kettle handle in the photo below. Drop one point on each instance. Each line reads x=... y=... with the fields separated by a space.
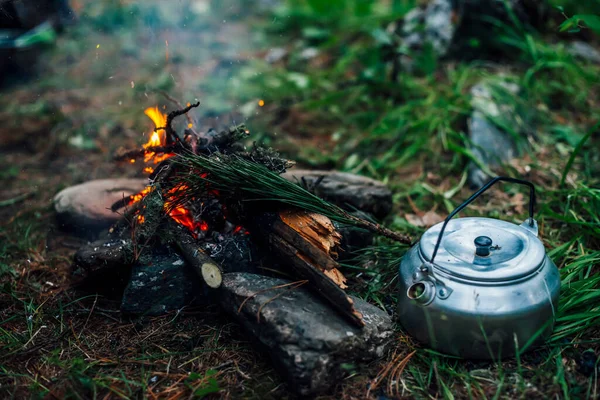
x=477 y=194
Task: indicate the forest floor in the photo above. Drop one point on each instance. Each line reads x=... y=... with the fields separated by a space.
x=327 y=102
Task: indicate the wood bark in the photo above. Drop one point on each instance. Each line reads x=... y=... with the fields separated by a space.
x=307 y=244
x=318 y=281
x=206 y=268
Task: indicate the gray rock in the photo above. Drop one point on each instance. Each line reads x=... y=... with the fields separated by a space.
x=234 y=253
x=452 y=27
x=433 y=25
x=85 y=208
x=491 y=146
x=165 y=284
x=307 y=340
x=584 y=51
x=439 y=28
x=348 y=191
x=276 y=54
x=309 y=53
x=104 y=255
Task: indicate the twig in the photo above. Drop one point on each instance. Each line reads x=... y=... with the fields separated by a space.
x=394 y=379
x=176 y=102
x=139 y=153
x=14 y=200
x=88 y=317
x=392 y=370
x=117 y=205
x=161 y=172
x=379 y=229
x=266 y=290
x=126 y=216
x=172 y=140
x=299 y=283
x=171 y=134
x=34 y=335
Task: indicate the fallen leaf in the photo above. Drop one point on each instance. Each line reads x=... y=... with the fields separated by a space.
x=428 y=219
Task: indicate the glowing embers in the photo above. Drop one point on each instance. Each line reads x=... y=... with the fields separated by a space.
x=241 y=230
x=184 y=217
x=180 y=213
x=199 y=215
x=134 y=198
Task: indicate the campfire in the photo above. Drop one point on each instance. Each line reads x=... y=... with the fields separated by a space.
x=206 y=188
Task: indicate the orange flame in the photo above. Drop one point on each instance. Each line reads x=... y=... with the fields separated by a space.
x=158 y=137
x=160 y=121
x=179 y=213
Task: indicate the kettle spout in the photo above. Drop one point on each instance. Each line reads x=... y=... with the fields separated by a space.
x=422 y=292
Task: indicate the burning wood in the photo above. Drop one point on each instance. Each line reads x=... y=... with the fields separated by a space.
x=207 y=183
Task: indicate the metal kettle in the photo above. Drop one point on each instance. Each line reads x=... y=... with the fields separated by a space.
x=479 y=288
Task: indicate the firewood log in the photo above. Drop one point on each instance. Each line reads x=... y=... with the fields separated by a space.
x=307 y=243
x=205 y=267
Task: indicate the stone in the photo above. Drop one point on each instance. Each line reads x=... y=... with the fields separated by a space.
x=584 y=51
x=349 y=191
x=308 y=341
x=433 y=25
x=103 y=255
x=85 y=208
x=275 y=55
x=161 y=285
x=438 y=22
x=491 y=146
x=234 y=253
x=309 y=53
x=459 y=29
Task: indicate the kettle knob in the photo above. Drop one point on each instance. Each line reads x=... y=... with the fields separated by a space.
x=483 y=246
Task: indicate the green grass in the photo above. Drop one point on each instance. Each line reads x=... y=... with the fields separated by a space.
x=384 y=129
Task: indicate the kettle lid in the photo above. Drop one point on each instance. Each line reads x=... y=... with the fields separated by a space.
x=484 y=249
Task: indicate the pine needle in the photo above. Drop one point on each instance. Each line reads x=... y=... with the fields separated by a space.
x=234 y=175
